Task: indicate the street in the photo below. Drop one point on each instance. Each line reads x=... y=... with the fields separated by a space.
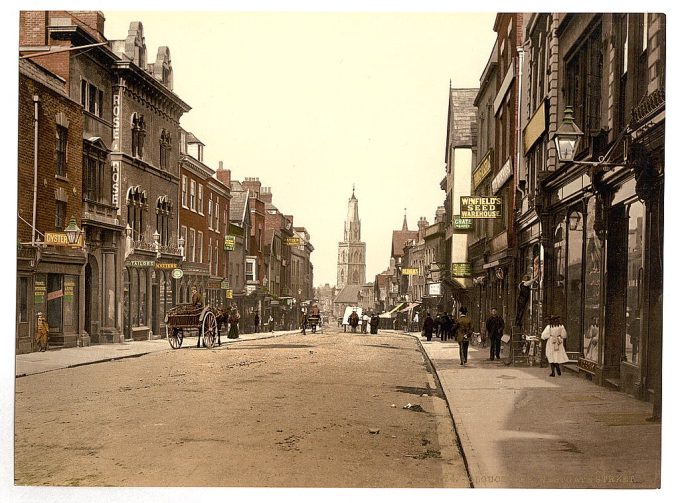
x=322 y=410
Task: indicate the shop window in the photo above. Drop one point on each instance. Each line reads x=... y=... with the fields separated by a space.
x=134 y=297
x=574 y=281
x=591 y=298
x=23 y=300
x=634 y=290
x=559 y=297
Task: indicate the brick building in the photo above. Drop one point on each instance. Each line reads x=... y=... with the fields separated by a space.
x=50 y=276
x=204 y=224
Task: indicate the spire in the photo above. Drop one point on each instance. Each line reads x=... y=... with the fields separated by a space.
x=353 y=197
x=404 y=226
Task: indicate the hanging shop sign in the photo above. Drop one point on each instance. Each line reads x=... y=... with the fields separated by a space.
x=229 y=294
x=482 y=170
x=461 y=224
x=225 y=284
x=229 y=243
x=295 y=241
x=434 y=289
x=139 y=263
x=409 y=271
x=481 y=207
x=461 y=269
x=177 y=273
x=165 y=265
x=502 y=176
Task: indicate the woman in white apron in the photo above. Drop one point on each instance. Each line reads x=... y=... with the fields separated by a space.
x=555 y=334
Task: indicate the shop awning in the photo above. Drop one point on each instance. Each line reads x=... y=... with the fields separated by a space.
x=409 y=307
x=393 y=311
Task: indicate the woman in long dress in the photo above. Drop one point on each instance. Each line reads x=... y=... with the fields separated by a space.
x=555 y=334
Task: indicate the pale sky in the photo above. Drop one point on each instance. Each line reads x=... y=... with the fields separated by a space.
x=313 y=102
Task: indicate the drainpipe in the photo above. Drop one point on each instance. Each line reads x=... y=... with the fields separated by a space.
x=519 y=148
x=36 y=100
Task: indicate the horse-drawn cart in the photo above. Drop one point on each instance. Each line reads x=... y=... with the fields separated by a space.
x=189 y=317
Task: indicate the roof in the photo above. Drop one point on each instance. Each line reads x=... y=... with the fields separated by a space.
x=191 y=138
x=463 y=117
x=348 y=295
x=236 y=185
x=399 y=239
x=237 y=206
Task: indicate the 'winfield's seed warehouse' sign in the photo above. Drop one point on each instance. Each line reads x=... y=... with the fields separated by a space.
x=481 y=207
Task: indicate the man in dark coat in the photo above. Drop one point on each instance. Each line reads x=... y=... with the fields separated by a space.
x=494 y=330
x=445 y=327
x=463 y=334
x=428 y=327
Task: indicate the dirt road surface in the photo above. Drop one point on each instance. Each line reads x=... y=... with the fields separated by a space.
x=321 y=410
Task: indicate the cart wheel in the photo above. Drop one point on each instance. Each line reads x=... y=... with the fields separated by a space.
x=209 y=329
x=176 y=338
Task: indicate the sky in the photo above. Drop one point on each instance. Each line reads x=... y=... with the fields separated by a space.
x=314 y=103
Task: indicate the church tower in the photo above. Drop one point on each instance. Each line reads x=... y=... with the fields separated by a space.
x=352 y=251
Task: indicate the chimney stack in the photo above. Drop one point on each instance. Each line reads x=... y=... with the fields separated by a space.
x=223 y=175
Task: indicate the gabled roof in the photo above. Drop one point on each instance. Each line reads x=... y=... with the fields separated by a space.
x=399 y=239
x=237 y=206
x=348 y=295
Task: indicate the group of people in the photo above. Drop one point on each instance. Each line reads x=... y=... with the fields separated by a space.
x=363 y=322
x=448 y=327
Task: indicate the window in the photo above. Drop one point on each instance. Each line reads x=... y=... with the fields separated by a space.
x=199 y=247
x=92 y=99
x=210 y=261
x=217 y=216
x=200 y=199
x=94 y=179
x=184 y=191
x=217 y=257
x=210 y=206
x=191 y=246
x=138 y=134
x=184 y=237
x=136 y=205
x=60 y=216
x=583 y=85
x=250 y=270
x=192 y=196
x=62 y=136
x=163 y=210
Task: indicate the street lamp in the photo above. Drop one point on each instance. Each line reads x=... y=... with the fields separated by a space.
x=567 y=137
x=72 y=231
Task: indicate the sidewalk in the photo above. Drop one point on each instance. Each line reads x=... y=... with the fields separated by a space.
x=37 y=363
x=518 y=427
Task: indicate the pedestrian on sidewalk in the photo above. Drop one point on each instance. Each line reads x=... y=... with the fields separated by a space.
x=304 y=323
x=257 y=322
x=445 y=327
x=555 y=334
x=494 y=330
x=463 y=334
x=416 y=321
x=234 y=318
x=428 y=327
x=438 y=325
